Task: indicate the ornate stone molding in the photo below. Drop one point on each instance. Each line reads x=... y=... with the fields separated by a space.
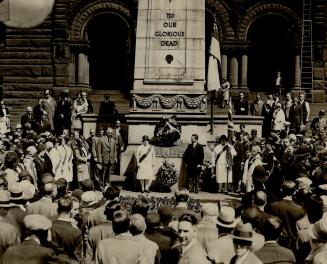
x=222 y=16
x=82 y=46
x=93 y=9
x=260 y=9
x=177 y=103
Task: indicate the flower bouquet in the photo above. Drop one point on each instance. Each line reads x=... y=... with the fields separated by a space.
x=166 y=176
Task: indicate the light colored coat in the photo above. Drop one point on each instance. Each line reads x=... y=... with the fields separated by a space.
x=145 y=168
x=222 y=171
x=194 y=255
x=248 y=171
x=279 y=120
x=106 y=151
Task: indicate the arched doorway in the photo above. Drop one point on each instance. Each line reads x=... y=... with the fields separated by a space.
x=272 y=39
x=110 y=55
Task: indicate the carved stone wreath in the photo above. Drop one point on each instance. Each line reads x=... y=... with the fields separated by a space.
x=169 y=102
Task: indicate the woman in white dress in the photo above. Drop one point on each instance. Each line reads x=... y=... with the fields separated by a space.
x=80 y=107
x=82 y=159
x=4 y=118
x=65 y=173
x=145 y=157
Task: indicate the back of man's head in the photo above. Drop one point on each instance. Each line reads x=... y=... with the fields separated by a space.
x=188 y=218
x=65 y=205
x=260 y=198
x=49 y=188
x=182 y=196
x=152 y=220
x=111 y=193
x=141 y=206
x=273 y=228
x=166 y=214
x=111 y=208
x=288 y=188
x=138 y=224
x=121 y=222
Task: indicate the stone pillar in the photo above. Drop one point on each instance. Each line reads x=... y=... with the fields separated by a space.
x=83 y=69
x=297 y=73
x=244 y=71
x=234 y=72
x=72 y=68
x=224 y=65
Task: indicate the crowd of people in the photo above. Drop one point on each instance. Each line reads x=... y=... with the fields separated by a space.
x=57 y=203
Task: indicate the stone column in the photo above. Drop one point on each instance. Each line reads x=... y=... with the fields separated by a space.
x=72 y=68
x=244 y=71
x=224 y=65
x=234 y=72
x=83 y=69
x=297 y=72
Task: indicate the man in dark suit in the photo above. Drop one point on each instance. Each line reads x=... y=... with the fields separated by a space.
x=107 y=110
x=288 y=211
x=28 y=117
x=107 y=156
x=193 y=159
x=271 y=251
x=43 y=125
x=42 y=161
x=63 y=113
x=241 y=106
x=32 y=250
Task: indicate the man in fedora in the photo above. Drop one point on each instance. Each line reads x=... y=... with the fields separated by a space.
x=145 y=157
x=9 y=234
x=242 y=240
x=107 y=156
x=221 y=250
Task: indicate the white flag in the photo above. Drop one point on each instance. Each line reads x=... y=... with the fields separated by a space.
x=213 y=68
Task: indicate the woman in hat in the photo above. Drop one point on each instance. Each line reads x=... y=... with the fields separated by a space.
x=145 y=157
x=279 y=118
x=4 y=118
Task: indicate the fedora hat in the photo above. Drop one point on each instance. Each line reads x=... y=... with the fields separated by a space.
x=303 y=150
x=145 y=138
x=243 y=232
x=90 y=198
x=5 y=199
x=226 y=217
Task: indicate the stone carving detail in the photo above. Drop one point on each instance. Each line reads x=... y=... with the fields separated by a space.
x=158 y=102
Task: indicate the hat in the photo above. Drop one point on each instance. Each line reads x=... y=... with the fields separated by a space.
x=323 y=187
x=77 y=193
x=145 y=138
x=28 y=189
x=210 y=209
x=5 y=199
x=37 y=222
x=18 y=126
x=278 y=105
x=303 y=181
x=243 y=232
x=16 y=191
x=259 y=174
x=31 y=150
x=318 y=230
x=226 y=217
x=89 y=198
x=302 y=151
x=92 y=130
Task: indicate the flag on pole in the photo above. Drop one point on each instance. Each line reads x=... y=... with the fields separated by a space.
x=230 y=123
x=214 y=62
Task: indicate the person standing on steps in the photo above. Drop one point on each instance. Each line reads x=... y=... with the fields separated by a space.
x=145 y=157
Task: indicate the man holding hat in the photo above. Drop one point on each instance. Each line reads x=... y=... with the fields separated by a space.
x=145 y=157
x=242 y=240
x=32 y=250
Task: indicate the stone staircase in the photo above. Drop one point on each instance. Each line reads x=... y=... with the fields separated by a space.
x=18 y=106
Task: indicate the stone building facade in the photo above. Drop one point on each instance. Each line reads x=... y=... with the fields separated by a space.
x=90 y=44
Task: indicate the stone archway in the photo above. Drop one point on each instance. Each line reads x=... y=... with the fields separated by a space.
x=81 y=44
x=272 y=32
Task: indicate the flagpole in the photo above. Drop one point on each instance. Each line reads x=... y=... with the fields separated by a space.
x=211 y=109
